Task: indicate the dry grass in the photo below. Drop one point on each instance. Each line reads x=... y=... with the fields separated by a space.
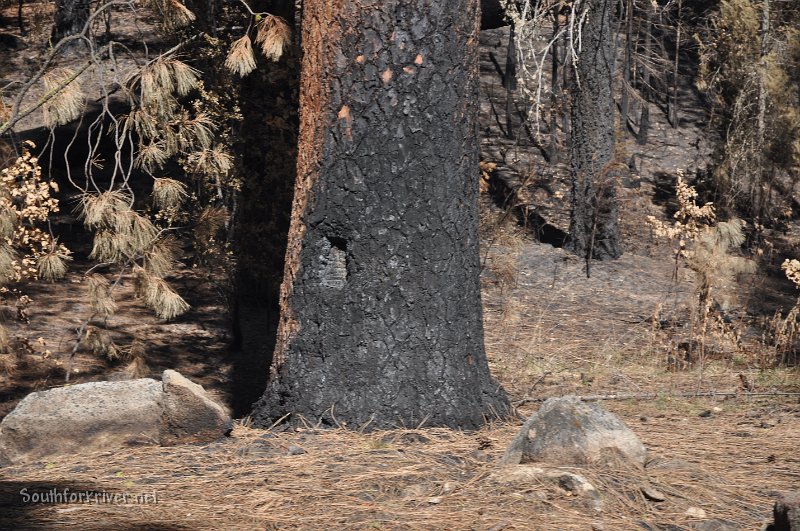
x=416 y=479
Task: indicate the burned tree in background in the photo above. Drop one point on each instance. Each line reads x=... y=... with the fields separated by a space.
x=594 y=223
x=381 y=318
x=70 y=18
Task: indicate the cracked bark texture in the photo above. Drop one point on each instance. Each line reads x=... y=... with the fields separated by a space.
x=594 y=224
x=381 y=320
x=70 y=18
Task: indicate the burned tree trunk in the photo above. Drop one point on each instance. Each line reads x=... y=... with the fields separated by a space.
x=594 y=224
x=644 y=118
x=492 y=14
x=510 y=82
x=557 y=66
x=672 y=102
x=380 y=302
x=627 y=67
x=71 y=16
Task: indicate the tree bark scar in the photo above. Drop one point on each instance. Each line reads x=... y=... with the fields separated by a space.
x=322 y=33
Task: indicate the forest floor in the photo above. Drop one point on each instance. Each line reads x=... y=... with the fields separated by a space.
x=719 y=460
x=721 y=428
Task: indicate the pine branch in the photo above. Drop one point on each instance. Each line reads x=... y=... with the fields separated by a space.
x=16 y=113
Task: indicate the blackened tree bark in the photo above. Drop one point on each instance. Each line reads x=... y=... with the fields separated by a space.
x=381 y=315
x=647 y=52
x=492 y=14
x=557 y=110
x=627 y=67
x=70 y=18
x=510 y=82
x=594 y=224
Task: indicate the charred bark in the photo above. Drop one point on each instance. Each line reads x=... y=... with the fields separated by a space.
x=380 y=304
x=647 y=51
x=510 y=82
x=70 y=18
x=492 y=14
x=556 y=108
x=673 y=103
x=594 y=223
x=627 y=82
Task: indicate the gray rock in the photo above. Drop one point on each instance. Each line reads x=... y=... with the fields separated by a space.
x=653 y=494
x=107 y=415
x=295 y=450
x=579 y=486
x=82 y=418
x=190 y=415
x=787 y=512
x=568 y=431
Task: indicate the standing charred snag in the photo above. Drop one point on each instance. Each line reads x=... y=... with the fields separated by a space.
x=556 y=64
x=757 y=191
x=672 y=115
x=627 y=80
x=380 y=303
x=70 y=18
x=594 y=224
x=510 y=82
x=644 y=117
x=492 y=14
x=20 y=20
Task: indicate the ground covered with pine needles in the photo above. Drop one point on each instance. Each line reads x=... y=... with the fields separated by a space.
x=715 y=458
x=728 y=466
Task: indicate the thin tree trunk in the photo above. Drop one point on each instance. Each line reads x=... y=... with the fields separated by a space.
x=20 y=20
x=492 y=14
x=759 y=202
x=626 y=68
x=594 y=224
x=673 y=100
x=555 y=89
x=566 y=80
x=510 y=82
x=644 y=117
x=380 y=304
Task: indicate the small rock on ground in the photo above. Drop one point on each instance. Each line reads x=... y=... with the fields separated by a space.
x=569 y=431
